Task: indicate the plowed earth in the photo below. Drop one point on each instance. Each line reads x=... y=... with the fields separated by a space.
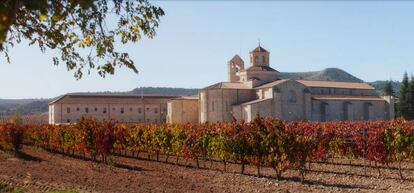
x=42 y=171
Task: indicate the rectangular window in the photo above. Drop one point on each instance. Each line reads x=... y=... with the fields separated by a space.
x=68 y=110
x=96 y=109
x=212 y=106
x=155 y=110
x=156 y=120
x=86 y=110
x=139 y=111
x=104 y=110
x=148 y=121
x=77 y=109
x=122 y=110
x=227 y=107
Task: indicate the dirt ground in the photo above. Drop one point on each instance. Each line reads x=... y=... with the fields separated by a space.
x=43 y=171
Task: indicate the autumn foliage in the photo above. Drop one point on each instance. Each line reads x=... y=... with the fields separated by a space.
x=264 y=142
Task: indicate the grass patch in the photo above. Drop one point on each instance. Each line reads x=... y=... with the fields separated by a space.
x=4 y=188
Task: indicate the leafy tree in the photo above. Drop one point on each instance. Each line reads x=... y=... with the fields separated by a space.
x=388 y=89
x=411 y=98
x=78 y=30
x=404 y=97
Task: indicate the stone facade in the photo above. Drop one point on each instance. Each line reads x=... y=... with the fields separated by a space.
x=259 y=90
x=123 y=108
x=183 y=110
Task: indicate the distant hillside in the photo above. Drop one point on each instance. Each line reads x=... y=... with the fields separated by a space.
x=165 y=91
x=23 y=106
x=330 y=74
x=335 y=74
x=380 y=85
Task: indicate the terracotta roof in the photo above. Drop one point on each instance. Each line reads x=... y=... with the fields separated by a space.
x=236 y=57
x=255 y=101
x=274 y=83
x=333 y=84
x=259 y=49
x=261 y=68
x=195 y=97
x=347 y=97
x=109 y=95
x=228 y=85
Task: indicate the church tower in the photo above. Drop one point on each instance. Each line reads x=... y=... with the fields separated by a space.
x=235 y=65
x=259 y=57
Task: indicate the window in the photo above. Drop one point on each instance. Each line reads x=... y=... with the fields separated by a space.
x=86 y=110
x=263 y=60
x=77 y=108
x=130 y=109
x=367 y=111
x=122 y=110
x=68 y=110
x=139 y=110
x=324 y=111
x=113 y=109
x=256 y=58
x=292 y=96
x=104 y=110
x=156 y=120
x=68 y=120
x=227 y=106
x=139 y=120
x=155 y=110
x=212 y=106
x=147 y=108
x=148 y=120
x=347 y=111
x=96 y=109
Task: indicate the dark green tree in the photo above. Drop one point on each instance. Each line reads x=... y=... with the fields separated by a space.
x=388 y=89
x=404 y=98
x=79 y=30
x=411 y=99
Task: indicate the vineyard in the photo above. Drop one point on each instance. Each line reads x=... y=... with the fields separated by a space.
x=262 y=143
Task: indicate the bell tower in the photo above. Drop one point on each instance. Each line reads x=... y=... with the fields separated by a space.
x=235 y=65
x=259 y=57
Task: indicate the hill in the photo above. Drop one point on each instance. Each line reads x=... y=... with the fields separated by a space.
x=165 y=91
x=23 y=106
x=329 y=74
x=380 y=85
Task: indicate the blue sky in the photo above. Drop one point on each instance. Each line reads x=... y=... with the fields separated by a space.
x=373 y=40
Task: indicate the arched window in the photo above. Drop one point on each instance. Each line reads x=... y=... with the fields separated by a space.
x=324 y=110
x=347 y=111
x=264 y=59
x=256 y=59
x=367 y=111
x=292 y=96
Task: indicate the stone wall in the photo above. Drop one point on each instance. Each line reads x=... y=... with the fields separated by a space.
x=334 y=110
x=216 y=104
x=183 y=111
x=126 y=110
x=292 y=101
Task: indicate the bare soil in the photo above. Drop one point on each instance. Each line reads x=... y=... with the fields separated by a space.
x=42 y=171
